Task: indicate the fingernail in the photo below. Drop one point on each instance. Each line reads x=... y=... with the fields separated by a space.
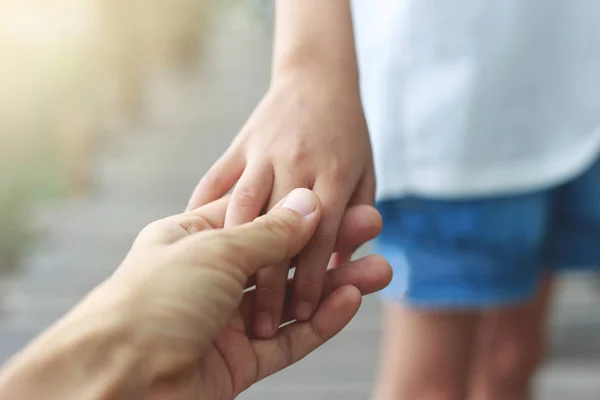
x=303 y=311
x=264 y=325
x=301 y=201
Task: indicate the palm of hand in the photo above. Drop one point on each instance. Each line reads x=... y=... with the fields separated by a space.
x=195 y=367
x=235 y=360
x=228 y=367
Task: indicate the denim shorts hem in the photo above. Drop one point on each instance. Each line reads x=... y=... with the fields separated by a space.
x=462 y=301
x=483 y=252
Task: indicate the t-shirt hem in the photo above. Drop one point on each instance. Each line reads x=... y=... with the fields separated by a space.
x=514 y=178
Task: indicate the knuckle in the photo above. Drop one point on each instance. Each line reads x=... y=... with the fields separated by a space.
x=319 y=336
x=285 y=346
x=310 y=282
x=245 y=198
x=196 y=223
x=269 y=292
x=280 y=226
x=154 y=228
x=325 y=237
x=269 y=298
x=338 y=170
x=220 y=252
x=298 y=156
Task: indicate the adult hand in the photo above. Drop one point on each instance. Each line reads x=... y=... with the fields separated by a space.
x=173 y=319
x=309 y=131
x=209 y=340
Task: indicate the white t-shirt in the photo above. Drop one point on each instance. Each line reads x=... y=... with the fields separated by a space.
x=473 y=97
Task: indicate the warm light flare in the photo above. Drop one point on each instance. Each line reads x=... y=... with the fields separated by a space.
x=36 y=24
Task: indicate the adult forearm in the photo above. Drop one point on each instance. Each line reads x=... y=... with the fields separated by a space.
x=88 y=355
x=315 y=36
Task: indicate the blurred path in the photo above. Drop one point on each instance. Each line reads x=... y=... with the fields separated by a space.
x=149 y=174
x=144 y=174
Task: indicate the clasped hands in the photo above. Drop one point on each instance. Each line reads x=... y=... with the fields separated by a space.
x=175 y=320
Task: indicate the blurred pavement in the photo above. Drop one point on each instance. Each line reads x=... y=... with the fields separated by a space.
x=149 y=173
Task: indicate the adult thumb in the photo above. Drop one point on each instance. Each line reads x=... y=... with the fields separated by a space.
x=274 y=237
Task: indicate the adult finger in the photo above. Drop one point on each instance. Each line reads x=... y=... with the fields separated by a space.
x=293 y=342
x=359 y=225
x=169 y=230
x=213 y=213
x=271 y=282
x=312 y=262
x=270 y=239
x=368 y=274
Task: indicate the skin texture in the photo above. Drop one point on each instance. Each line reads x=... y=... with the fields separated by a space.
x=308 y=131
x=173 y=320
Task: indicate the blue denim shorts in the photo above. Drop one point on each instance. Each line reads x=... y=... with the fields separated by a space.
x=489 y=252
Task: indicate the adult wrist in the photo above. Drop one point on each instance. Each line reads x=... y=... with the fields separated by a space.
x=88 y=354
